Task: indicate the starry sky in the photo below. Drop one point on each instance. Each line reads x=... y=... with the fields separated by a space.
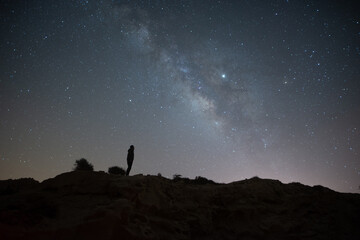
x=226 y=90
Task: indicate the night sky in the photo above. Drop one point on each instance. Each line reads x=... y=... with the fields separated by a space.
x=226 y=90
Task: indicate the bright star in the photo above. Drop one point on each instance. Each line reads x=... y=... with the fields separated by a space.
x=223 y=75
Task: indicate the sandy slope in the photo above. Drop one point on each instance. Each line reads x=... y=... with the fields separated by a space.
x=96 y=205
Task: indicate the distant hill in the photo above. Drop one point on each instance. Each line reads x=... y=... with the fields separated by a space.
x=96 y=205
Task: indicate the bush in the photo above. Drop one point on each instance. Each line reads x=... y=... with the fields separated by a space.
x=83 y=165
x=116 y=171
x=179 y=178
x=202 y=180
x=176 y=176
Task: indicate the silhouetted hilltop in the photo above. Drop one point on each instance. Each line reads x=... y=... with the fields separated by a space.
x=97 y=205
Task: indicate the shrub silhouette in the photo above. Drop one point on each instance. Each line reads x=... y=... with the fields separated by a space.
x=197 y=181
x=179 y=178
x=176 y=176
x=202 y=180
x=116 y=171
x=83 y=165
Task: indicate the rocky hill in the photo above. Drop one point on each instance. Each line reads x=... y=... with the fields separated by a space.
x=96 y=205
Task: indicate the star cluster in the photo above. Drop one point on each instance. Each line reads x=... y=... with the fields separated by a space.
x=222 y=89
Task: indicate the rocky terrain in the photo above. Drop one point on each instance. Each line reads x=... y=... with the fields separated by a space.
x=97 y=205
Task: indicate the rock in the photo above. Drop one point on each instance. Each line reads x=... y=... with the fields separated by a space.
x=97 y=205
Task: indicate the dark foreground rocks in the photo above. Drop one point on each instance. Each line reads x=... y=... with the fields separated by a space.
x=96 y=205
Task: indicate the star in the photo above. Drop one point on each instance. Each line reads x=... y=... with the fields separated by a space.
x=193 y=86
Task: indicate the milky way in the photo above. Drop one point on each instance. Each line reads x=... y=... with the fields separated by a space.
x=227 y=90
